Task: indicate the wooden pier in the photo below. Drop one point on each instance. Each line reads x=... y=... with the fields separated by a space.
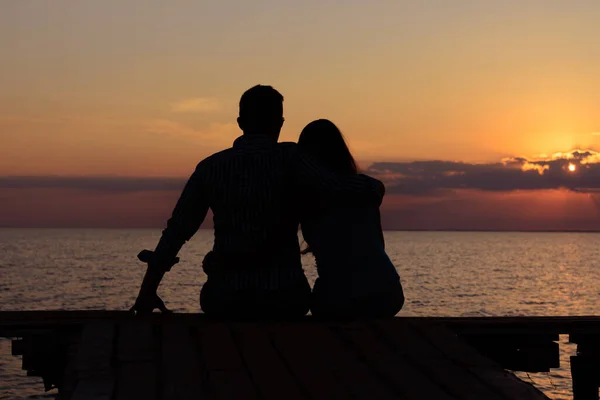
x=105 y=355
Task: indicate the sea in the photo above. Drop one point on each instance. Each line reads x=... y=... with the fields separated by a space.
x=443 y=274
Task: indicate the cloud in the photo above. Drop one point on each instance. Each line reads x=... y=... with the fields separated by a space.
x=510 y=174
x=98 y=184
x=196 y=105
x=410 y=178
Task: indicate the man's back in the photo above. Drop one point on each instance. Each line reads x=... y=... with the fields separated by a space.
x=254 y=192
x=251 y=191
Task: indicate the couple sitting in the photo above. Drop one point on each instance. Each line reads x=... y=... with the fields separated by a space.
x=260 y=191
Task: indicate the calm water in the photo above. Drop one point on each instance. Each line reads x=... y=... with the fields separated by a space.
x=444 y=274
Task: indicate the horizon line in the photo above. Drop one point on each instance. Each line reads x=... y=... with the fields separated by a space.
x=385 y=230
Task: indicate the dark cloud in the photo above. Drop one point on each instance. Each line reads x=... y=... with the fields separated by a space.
x=515 y=173
x=416 y=177
x=101 y=184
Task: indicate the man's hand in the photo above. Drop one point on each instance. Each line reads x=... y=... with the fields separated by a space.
x=147 y=299
x=148 y=302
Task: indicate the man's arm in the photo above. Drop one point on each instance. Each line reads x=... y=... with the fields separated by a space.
x=188 y=215
x=321 y=181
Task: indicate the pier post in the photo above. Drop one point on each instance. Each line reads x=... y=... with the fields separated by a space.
x=585 y=367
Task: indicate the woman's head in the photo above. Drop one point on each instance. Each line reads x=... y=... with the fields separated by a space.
x=322 y=140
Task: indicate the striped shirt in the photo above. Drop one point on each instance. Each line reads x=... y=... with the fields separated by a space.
x=256 y=190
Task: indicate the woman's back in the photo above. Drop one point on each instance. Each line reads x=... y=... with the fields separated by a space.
x=349 y=250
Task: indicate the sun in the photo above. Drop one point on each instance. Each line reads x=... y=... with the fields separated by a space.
x=572 y=167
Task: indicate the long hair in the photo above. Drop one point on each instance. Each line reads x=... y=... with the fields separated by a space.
x=324 y=142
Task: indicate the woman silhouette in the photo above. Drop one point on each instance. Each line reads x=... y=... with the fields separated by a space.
x=356 y=277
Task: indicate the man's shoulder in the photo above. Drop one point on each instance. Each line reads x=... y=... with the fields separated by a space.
x=215 y=158
x=219 y=155
x=227 y=154
x=288 y=147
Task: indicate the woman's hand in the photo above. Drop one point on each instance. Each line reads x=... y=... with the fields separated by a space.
x=147 y=302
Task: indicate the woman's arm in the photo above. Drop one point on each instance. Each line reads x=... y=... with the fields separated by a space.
x=382 y=238
x=321 y=183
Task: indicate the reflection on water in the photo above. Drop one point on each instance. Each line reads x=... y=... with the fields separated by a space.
x=444 y=274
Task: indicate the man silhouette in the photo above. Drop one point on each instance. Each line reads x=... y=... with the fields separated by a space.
x=256 y=190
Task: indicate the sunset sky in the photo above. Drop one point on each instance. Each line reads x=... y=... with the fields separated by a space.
x=461 y=107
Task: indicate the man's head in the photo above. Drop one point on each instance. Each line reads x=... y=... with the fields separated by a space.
x=261 y=111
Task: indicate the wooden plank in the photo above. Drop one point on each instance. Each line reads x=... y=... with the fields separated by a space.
x=226 y=374
x=304 y=354
x=541 y=357
x=508 y=385
x=180 y=369
x=17 y=347
x=98 y=388
x=12 y=321
x=487 y=371
x=453 y=347
x=29 y=360
x=95 y=378
x=450 y=376
x=508 y=338
x=586 y=338
x=355 y=375
x=230 y=385
x=137 y=354
x=43 y=356
x=70 y=379
x=407 y=381
x=519 y=325
x=529 y=353
x=137 y=342
x=218 y=349
x=267 y=370
x=95 y=348
x=586 y=377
